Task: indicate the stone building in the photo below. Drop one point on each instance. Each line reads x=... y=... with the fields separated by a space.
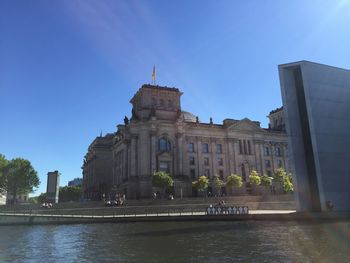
x=161 y=136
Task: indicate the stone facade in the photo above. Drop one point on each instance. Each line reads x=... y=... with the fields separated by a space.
x=160 y=136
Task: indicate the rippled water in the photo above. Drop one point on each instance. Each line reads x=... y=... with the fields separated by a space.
x=178 y=242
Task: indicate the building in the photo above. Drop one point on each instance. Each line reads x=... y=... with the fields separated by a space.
x=316 y=102
x=161 y=136
x=53 y=186
x=76 y=182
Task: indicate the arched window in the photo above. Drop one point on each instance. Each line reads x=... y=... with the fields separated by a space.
x=164 y=145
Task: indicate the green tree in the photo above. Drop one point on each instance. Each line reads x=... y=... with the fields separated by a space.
x=162 y=180
x=285 y=178
x=3 y=167
x=266 y=180
x=69 y=193
x=18 y=177
x=288 y=183
x=280 y=173
x=254 y=178
x=201 y=184
x=218 y=183
x=234 y=180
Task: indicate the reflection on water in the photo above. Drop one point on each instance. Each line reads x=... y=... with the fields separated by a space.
x=178 y=242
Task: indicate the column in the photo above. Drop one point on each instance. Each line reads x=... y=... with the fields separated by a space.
x=180 y=149
x=133 y=156
x=213 y=158
x=199 y=156
x=153 y=152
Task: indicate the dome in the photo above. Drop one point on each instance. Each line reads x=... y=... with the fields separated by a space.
x=188 y=117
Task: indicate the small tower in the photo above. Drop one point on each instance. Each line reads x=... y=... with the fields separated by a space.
x=53 y=186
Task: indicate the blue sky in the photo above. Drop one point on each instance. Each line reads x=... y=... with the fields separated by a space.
x=69 y=68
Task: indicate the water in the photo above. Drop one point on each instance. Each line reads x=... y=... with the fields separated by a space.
x=246 y=241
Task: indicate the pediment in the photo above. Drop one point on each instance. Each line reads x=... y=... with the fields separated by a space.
x=245 y=125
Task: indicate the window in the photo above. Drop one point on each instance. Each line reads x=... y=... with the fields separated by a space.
x=221 y=174
x=266 y=151
x=191 y=147
x=161 y=102
x=206 y=161
x=205 y=147
x=249 y=148
x=278 y=151
x=240 y=147
x=164 y=145
x=268 y=172
x=191 y=160
x=220 y=161
x=164 y=166
x=219 y=148
x=193 y=173
x=280 y=163
x=207 y=172
x=267 y=163
x=170 y=103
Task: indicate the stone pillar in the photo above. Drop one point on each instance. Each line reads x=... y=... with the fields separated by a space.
x=153 y=150
x=199 y=156
x=258 y=159
x=227 y=157
x=236 y=152
x=213 y=158
x=133 y=156
x=272 y=150
x=180 y=149
x=143 y=156
x=263 y=169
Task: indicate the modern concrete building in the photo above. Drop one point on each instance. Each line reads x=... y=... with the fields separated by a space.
x=316 y=101
x=161 y=136
x=53 y=186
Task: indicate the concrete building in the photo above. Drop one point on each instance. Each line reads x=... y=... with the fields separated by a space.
x=76 y=182
x=53 y=186
x=161 y=136
x=316 y=101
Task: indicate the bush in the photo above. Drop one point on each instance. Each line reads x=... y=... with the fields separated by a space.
x=254 y=178
x=266 y=180
x=201 y=184
x=234 y=180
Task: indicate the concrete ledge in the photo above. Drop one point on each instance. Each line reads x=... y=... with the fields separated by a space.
x=13 y=219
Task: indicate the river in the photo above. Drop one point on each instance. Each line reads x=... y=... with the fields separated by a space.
x=246 y=241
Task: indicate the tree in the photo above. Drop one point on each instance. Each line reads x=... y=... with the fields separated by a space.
x=3 y=166
x=254 y=177
x=163 y=180
x=234 y=180
x=266 y=180
x=18 y=177
x=280 y=173
x=69 y=193
x=201 y=184
x=218 y=183
x=285 y=178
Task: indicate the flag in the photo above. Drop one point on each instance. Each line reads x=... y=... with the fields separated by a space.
x=154 y=74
